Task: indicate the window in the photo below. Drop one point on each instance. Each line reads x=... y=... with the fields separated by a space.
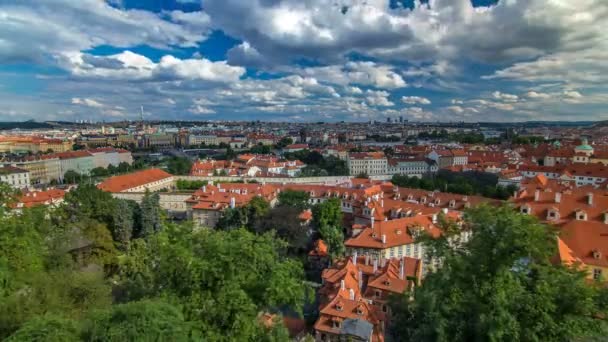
x=597 y=273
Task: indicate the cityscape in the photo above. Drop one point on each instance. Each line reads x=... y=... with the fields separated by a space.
x=311 y=171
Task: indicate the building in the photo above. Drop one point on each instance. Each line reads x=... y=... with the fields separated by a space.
x=206 y=205
x=50 y=197
x=353 y=299
x=81 y=162
x=140 y=181
x=411 y=166
x=15 y=177
x=294 y=148
x=370 y=163
x=43 y=169
x=579 y=214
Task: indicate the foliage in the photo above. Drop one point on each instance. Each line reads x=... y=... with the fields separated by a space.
x=72 y=177
x=294 y=198
x=183 y=184
x=47 y=328
x=60 y=273
x=316 y=163
x=179 y=165
x=500 y=286
x=261 y=149
x=222 y=279
x=138 y=321
x=285 y=222
x=285 y=141
x=327 y=217
x=151 y=213
x=465 y=183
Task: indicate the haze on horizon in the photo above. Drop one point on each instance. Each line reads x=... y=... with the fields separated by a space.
x=313 y=60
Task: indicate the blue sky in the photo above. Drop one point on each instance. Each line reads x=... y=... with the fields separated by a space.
x=304 y=60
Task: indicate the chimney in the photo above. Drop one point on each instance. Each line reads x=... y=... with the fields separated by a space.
x=445 y=211
x=375 y=265
x=383 y=238
x=204 y=188
x=590 y=198
x=372 y=221
x=382 y=203
x=355 y=258
x=342 y=285
x=536 y=195
x=402 y=270
x=434 y=218
x=232 y=202
x=558 y=197
x=606 y=218
x=360 y=280
x=351 y=294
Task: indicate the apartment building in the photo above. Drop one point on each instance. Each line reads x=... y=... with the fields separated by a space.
x=370 y=163
x=15 y=177
x=411 y=166
x=43 y=169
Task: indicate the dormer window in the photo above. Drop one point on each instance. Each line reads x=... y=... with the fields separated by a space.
x=525 y=209
x=359 y=310
x=387 y=282
x=336 y=324
x=410 y=197
x=552 y=214
x=581 y=215
x=597 y=254
x=339 y=306
x=452 y=203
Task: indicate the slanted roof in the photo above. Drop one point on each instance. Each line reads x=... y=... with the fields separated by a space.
x=358 y=328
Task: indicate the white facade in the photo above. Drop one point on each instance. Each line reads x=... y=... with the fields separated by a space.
x=15 y=177
x=368 y=165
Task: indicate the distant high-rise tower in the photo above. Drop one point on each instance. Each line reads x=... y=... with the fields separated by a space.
x=401 y=119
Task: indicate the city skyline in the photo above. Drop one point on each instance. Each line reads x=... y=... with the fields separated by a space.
x=442 y=60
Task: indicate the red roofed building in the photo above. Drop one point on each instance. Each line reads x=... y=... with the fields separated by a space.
x=353 y=298
x=51 y=197
x=580 y=214
x=140 y=181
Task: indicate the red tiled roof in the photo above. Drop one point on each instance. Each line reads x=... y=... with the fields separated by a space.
x=133 y=180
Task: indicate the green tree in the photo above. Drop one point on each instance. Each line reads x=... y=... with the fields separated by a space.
x=179 y=165
x=124 y=221
x=72 y=177
x=334 y=238
x=500 y=286
x=146 y=320
x=327 y=213
x=285 y=222
x=294 y=198
x=99 y=172
x=47 y=328
x=151 y=214
x=221 y=279
x=285 y=141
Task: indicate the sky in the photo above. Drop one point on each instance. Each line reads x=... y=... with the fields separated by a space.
x=304 y=60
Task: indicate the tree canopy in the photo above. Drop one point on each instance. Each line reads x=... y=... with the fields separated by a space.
x=500 y=286
x=102 y=269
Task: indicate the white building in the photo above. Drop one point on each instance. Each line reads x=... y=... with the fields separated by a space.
x=15 y=177
x=370 y=163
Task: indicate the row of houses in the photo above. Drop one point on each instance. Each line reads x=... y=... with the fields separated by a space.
x=252 y=165
x=45 y=168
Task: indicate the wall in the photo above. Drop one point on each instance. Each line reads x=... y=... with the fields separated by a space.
x=329 y=180
x=170 y=201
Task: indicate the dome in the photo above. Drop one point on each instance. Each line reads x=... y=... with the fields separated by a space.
x=584 y=146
